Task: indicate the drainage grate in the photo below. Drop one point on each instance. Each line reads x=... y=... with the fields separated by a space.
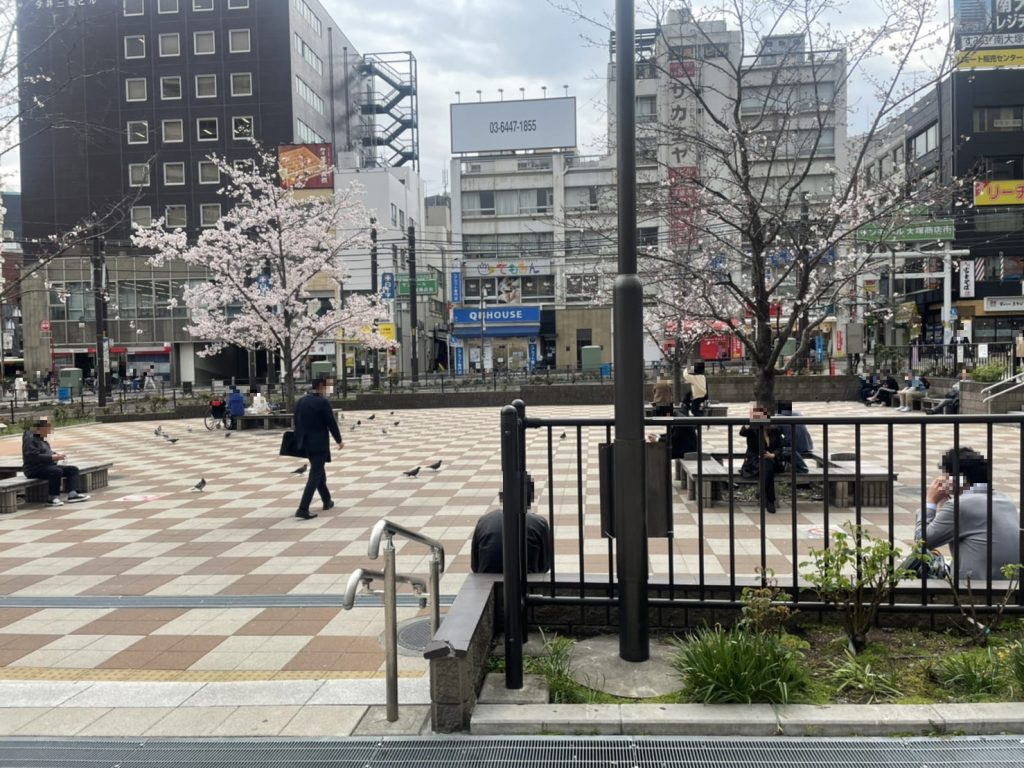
x=521 y=752
x=414 y=634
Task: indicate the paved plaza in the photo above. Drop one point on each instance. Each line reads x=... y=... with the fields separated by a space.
x=150 y=538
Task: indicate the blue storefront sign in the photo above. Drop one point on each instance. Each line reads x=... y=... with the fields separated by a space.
x=819 y=347
x=460 y=361
x=532 y=353
x=387 y=285
x=456 y=287
x=497 y=321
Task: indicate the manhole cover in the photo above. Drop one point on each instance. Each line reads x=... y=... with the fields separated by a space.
x=414 y=634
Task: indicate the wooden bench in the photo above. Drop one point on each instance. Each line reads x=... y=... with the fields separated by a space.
x=267 y=420
x=93 y=476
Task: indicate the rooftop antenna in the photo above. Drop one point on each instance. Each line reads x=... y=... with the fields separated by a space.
x=566 y=89
x=522 y=93
x=501 y=94
x=479 y=95
x=544 y=88
x=458 y=95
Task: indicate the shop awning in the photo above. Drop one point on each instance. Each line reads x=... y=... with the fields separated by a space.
x=473 y=331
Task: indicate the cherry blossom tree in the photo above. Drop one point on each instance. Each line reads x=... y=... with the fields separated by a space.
x=757 y=191
x=264 y=257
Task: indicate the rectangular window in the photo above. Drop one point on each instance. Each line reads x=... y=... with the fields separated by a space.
x=173 y=131
x=202 y=5
x=241 y=127
x=138 y=175
x=134 y=7
x=309 y=55
x=307 y=135
x=207 y=129
x=243 y=166
x=170 y=88
x=170 y=44
x=239 y=41
x=174 y=174
x=167 y=6
x=241 y=83
x=142 y=216
x=925 y=141
x=204 y=43
x=135 y=46
x=646 y=109
x=394 y=215
x=135 y=89
x=209 y=173
x=206 y=86
x=311 y=18
x=209 y=214
x=237 y=5
x=998 y=119
x=310 y=96
x=138 y=132
x=175 y=216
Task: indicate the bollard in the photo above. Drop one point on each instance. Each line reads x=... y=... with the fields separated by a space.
x=512 y=562
x=390 y=631
x=435 y=591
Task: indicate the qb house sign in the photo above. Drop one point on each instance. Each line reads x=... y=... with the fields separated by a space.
x=496 y=126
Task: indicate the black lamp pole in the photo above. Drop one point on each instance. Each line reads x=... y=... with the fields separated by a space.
x=630 y=515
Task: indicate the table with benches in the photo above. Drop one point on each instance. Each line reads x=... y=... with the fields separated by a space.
x=266 y=420
x=843 y=479
x=13 y=483
x=713 y=410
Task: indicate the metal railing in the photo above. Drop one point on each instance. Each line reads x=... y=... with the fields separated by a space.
x=384 y=532
x=872 y=472
x=1010 y=384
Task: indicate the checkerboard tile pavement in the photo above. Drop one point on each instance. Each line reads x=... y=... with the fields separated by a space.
x=149 y=534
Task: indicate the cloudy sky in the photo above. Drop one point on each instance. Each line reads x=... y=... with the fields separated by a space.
x=465 y=45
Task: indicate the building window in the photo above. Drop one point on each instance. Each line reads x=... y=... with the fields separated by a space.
x=925 y=141
x=209 y=173
x=135 y=89
x=394 y=215
x=239 y=41
x=135 y=46
x=998 y=119
x=167 y=6
x=245 y=165
x=173 y=131
x=307 y=135
x=138 y=132
x=206 y=86
x=134 y=7
x=646 y=109
x=207 y=128
x=309 y=55
x=237 y=5
x=202 y=5
x=170 y=44
x=138 y=175
x=241 y=83
x=241 y=127
x=170 y=88
x=175 y=216
x=209 y=214
x=204 y=43
x=142 y=216
x=581 y=287
x=310 y=96
x=174 y=174
x=311 y=18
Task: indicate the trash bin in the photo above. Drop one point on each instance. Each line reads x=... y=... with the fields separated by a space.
x=33 y=392
x=63 y=395
x=186 y=387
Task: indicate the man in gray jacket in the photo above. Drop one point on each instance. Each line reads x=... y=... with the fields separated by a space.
x=971 y=548
x=40 y=462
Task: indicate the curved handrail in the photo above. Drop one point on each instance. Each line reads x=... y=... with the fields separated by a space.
x=365 y=575
x=385 y=526
x=1017 y=378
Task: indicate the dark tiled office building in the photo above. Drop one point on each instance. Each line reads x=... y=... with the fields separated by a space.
x=133 y=95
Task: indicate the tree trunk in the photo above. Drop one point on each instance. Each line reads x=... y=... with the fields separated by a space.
x=289 y=378
x=764 y=377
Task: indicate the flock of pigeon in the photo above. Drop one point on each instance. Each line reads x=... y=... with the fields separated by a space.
x=436 y=466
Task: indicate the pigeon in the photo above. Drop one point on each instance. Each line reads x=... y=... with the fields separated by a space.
x=436 y=465
x=166 y=436
x=371 y=417
x=397 y=423
x=352 y=428
x=172 y=440
x=412 y=472
x=158 y=431
x=358 y=422
x=383 y=430
x=391 y=414
x=190 y=429
x=227 y=434
x=562 y=436
x=301 y=470
x=200 y=485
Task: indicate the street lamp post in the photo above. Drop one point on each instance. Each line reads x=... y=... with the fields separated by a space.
x=628 y=474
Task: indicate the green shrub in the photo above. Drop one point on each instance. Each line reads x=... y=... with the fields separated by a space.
x=762 y=612
x=974 y=673
x=1011 y=658
x=719 y=666
x=856 y=676
x=989 y=372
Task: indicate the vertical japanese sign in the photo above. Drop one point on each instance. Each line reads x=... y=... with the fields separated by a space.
x=967 y=279
x=460 y=360
x=683 y=194
x=456 y=287
x=532 y=353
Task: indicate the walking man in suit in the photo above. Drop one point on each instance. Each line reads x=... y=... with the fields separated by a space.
x=314 y=423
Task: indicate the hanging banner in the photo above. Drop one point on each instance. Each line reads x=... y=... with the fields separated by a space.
x=967 y=279
x=456 y=287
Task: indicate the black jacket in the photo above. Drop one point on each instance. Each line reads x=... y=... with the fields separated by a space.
x=36 y=453
x=773 y=444
x=314 y=422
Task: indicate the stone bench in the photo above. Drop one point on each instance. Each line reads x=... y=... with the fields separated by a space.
x=93 y=476
x=266 y=420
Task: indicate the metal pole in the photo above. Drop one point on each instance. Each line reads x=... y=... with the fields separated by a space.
x=511 y=562
x=413 y=319
x=630 y=517
x=100 y=305
x=435 y=592
x=390 y=631
x=375 y=353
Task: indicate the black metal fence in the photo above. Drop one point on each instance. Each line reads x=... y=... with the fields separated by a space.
x=942 y=359
x=871 y=471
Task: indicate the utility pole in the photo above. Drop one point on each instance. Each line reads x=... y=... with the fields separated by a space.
x=413 y=321
x=98 y=265
x=373 y=290
x=344 y=349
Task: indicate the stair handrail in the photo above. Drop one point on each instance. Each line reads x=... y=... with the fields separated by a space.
x=1001 y=382
x=1019 y=382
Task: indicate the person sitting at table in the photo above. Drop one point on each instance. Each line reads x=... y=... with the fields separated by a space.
x=662 y=401
x=39 y=462
x=764 y=445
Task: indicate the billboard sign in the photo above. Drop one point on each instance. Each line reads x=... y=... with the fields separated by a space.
x=913 y=232
x=387 y=285
x=491 y=315
x=424 y=285
x=1009 y=192
x=988 y=23
x=519 y=267
x=991 y=58
x=498 y=126
x=456 y=287
x=306 y=166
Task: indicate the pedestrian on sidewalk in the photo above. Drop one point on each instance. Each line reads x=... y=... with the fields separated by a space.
x=314 y=423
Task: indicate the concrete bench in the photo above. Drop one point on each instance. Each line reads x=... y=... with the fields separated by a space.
x=93 y=476
x=266 y=420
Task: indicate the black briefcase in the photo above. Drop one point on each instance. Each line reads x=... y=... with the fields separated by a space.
x=290 y=446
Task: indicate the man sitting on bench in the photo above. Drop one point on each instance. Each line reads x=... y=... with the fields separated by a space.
x=39 y=462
